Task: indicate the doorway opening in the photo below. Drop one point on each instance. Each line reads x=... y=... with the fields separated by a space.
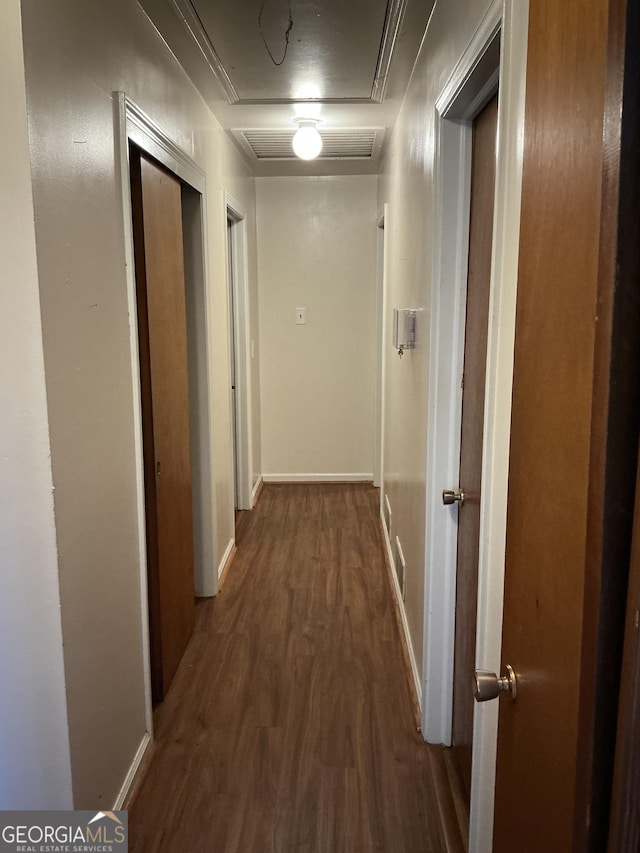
x=497 y=52
x=156 y=199
x=136 y=129
x=233 y=366
x=240 y=353
x=472 y=431
x=378 y=460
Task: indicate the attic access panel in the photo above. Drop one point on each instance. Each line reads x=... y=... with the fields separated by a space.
x=337 y=51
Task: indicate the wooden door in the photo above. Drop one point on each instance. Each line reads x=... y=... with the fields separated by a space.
x=157 y=213
x=475 y=360
x=553 y=444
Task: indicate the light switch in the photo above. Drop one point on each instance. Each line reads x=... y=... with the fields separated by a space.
x=301 y=316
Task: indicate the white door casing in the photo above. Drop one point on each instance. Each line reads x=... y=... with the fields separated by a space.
x=132 y=124
x=497 y=52
x=241 y=340
x=378 y=461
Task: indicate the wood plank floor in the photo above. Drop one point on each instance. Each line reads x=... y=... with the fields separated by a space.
x=289 y=727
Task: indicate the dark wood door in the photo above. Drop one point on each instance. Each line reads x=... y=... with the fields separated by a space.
x=157 y=210
x=553 y=442
x=475 y=360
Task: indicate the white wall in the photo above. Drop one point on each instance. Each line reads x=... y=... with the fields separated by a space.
x=77 y=52
x=317 y=250
x=34 y=745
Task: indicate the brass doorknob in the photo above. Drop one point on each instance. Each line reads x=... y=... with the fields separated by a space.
x=487 y=685
x=452 y=497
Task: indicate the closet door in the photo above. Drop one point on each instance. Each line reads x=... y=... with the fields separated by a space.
x=157 y=215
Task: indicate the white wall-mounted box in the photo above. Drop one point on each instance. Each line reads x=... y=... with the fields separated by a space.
x=404 y=328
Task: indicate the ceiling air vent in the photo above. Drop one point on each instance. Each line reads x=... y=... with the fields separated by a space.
x=361 y=143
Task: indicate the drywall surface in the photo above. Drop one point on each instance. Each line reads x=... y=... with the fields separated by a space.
x=77 y=53
x=317 y=251
x=35 y=769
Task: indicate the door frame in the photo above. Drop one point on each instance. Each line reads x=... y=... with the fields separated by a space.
x=134 y=125
x=381 y=254
x=497 y=51
x=241 y=337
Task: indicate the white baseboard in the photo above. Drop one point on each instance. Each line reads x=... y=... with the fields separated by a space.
x=256 y=488
x=317 y=478
x=417 y=680
x=145 y=743
x=226 y=557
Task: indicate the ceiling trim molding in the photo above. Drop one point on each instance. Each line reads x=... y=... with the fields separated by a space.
x=256 y=102
x=190 y=19
x=392 y=21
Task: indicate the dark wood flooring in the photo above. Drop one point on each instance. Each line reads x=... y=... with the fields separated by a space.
x=289 y=727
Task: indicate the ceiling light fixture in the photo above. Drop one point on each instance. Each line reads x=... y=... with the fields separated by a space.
x=307 y=142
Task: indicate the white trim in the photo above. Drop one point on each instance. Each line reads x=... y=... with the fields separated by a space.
x=379 y=403
x=256 y=488
x=226 y=557
x=475 y=76
x=472 y=82
x=500 y=353
x=318 y=478
x=242 y=336
x=132 y=124
x=393 y=20
x=121 y=105
x=187 y=14
x=149 y=136
x=138 y=758
x=453 y=171
x=397 y=592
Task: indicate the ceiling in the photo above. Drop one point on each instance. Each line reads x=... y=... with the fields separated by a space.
x=259 y=64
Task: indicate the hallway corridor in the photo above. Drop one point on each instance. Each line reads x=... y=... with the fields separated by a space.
x=290 y=725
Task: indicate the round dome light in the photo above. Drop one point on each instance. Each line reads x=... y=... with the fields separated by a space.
x=307 y=142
